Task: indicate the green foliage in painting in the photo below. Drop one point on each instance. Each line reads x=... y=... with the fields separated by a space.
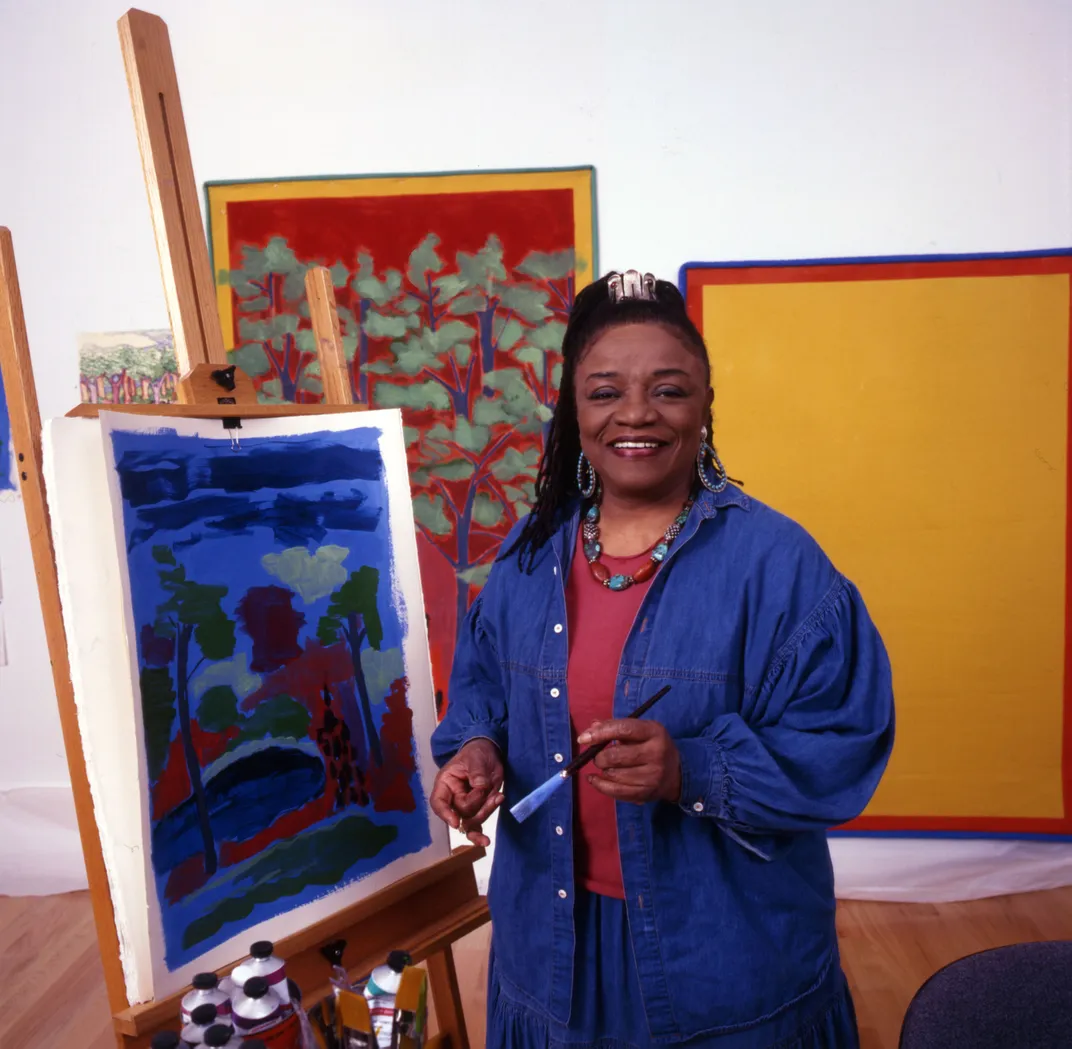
x=158 y=714
x=285 y=868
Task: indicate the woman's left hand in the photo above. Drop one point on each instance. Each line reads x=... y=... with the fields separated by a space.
x=641 y=764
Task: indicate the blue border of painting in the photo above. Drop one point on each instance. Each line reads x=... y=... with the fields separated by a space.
x=1038 y=253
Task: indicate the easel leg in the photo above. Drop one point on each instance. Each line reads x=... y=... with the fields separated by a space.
x=443 y=980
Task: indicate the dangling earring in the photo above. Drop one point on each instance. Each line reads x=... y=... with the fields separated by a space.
x=719 y=482
x=587 y=479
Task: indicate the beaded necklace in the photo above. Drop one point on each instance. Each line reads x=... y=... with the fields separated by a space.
x=593 y=550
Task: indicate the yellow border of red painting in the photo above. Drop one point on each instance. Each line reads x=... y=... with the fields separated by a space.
x=694 y=276
x=219 y=194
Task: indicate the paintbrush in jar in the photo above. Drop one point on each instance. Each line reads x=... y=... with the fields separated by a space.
x=531 y=802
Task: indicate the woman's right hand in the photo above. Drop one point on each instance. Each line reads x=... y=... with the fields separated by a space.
x=468 y=789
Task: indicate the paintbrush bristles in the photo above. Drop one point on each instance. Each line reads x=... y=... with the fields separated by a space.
x=532 y=801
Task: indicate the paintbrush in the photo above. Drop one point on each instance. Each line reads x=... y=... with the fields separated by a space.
x=531 y=802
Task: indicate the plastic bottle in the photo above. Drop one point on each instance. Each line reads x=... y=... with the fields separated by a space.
x=264 y=963
x=206 y=990
x=165 y=1040
x=222 y=1036
x=256 y=1005
x=380 y=991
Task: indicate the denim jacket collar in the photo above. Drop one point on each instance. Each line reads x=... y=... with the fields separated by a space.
x=706 y=506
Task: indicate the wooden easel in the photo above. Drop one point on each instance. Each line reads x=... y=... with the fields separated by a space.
x=423 y=914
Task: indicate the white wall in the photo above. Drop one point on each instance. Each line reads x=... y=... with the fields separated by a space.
x=719 y=130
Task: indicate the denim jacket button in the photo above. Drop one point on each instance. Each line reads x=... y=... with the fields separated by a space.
x=562 y=894
x=698 y=807
x=555 y=693
x=558 y=628
x=559 y=831
x=559 y=758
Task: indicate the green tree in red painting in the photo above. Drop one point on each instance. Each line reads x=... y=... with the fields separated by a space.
x=277 y=351
x=352 y=612
x=192 y=617
x=483 y=394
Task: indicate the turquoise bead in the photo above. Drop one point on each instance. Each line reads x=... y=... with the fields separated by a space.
x=593 y=513
x=618 y=582
x=659 y=552
x=592 y=550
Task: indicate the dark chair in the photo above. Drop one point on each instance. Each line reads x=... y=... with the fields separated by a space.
x=1017 y=997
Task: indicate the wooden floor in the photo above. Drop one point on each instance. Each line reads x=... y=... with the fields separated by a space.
x=52 y=989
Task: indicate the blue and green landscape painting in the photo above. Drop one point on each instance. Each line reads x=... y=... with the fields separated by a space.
x=278 y=733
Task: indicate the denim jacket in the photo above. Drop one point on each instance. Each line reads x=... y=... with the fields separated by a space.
x=781 y=707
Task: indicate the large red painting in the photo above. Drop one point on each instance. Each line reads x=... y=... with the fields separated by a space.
x=453 y=291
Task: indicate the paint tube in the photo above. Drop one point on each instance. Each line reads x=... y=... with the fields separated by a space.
x=256 y=1005
x=264 y=963
x=206 y=990
x=222 y=1036
x=201 y=1019
x=165 y=1040
x=380 y=993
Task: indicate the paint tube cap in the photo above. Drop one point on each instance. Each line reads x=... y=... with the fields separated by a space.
x=255 y=987
x=262 y=949
x=218 y=1034
x=206 y=981
x=398 y=960
x=204 y=1015
x=164 y=1040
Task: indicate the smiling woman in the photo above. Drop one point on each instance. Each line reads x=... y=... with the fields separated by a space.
x=682 y=893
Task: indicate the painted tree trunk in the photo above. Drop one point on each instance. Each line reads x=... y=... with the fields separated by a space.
x=356 y=635
x=193 y=764
x=462 y=533
x=361 y=391
x=486 y=322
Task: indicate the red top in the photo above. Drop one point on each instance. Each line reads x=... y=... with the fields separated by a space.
x=599 y=622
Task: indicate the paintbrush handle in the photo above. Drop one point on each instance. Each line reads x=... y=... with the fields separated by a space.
x=588 y=753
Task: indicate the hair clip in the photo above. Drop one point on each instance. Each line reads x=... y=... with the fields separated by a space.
x=631 y=285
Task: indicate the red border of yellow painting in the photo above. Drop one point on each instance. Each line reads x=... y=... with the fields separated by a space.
x=694 y=276
x=581 y=180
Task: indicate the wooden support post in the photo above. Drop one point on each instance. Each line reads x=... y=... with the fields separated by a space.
x=21 y=394
x=173 y=199
x=443 y=981
x=324 y=313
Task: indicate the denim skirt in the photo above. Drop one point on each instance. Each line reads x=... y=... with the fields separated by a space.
x=608 y=1012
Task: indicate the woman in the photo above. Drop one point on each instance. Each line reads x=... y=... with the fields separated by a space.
x=683 y=894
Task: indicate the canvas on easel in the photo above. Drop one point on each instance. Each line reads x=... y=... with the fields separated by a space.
x=274 y=668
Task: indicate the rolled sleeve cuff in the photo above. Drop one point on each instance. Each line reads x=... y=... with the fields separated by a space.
x=702 y=777
x=704 y=785
x=445 y=746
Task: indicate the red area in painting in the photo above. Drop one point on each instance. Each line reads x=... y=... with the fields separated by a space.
x=390 y=785
x=173 y=786
x=388 y=228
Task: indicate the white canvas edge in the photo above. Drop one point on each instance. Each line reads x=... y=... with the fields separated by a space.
x=91 y=602
x=416 y=660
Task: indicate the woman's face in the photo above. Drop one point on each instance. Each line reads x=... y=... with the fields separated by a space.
x=642 y=398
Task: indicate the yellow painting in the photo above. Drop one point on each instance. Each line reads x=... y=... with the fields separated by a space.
x=914 y=417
